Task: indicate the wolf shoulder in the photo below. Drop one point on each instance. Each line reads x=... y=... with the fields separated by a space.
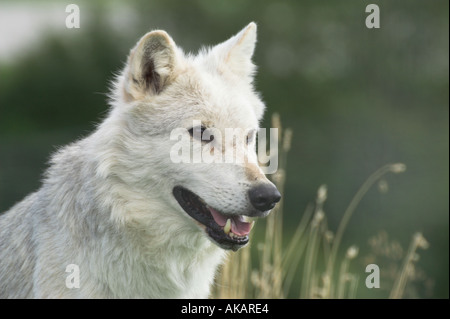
x=17 y=248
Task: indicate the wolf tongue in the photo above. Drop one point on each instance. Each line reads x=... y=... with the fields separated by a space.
x=220 y=219
x=238 y=226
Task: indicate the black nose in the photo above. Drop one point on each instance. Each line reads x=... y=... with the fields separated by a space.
x=264 y=196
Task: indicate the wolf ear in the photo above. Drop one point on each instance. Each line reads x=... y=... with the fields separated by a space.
x=237 y=51
x=150 y=65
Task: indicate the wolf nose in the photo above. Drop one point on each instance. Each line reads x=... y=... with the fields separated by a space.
x=264 y=197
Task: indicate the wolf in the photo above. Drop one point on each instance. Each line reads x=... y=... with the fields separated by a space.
x=133 y=223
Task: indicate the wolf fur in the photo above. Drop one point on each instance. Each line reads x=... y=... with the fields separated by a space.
x=106 y=202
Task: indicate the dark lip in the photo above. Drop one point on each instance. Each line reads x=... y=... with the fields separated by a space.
x=196 y=207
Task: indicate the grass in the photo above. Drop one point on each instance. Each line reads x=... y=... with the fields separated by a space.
x=312 y=255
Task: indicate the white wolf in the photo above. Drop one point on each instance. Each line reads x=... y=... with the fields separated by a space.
x=135 y=224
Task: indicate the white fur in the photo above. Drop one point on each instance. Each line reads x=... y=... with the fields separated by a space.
x=106 y=203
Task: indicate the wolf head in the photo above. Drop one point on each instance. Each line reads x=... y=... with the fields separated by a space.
x=163 y=90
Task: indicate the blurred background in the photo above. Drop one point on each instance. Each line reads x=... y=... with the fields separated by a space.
x=355 y=98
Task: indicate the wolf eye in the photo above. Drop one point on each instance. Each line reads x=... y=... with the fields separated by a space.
x=197 y=132
x=250 y=137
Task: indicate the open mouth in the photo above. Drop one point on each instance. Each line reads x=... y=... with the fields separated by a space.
x=228 y=231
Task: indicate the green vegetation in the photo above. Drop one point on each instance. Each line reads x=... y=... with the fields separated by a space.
x=307 y=267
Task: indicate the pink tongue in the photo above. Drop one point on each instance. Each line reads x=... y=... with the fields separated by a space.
x=218 y=217
x=238 y=226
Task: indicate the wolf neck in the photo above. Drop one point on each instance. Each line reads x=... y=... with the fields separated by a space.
x=140 y=247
